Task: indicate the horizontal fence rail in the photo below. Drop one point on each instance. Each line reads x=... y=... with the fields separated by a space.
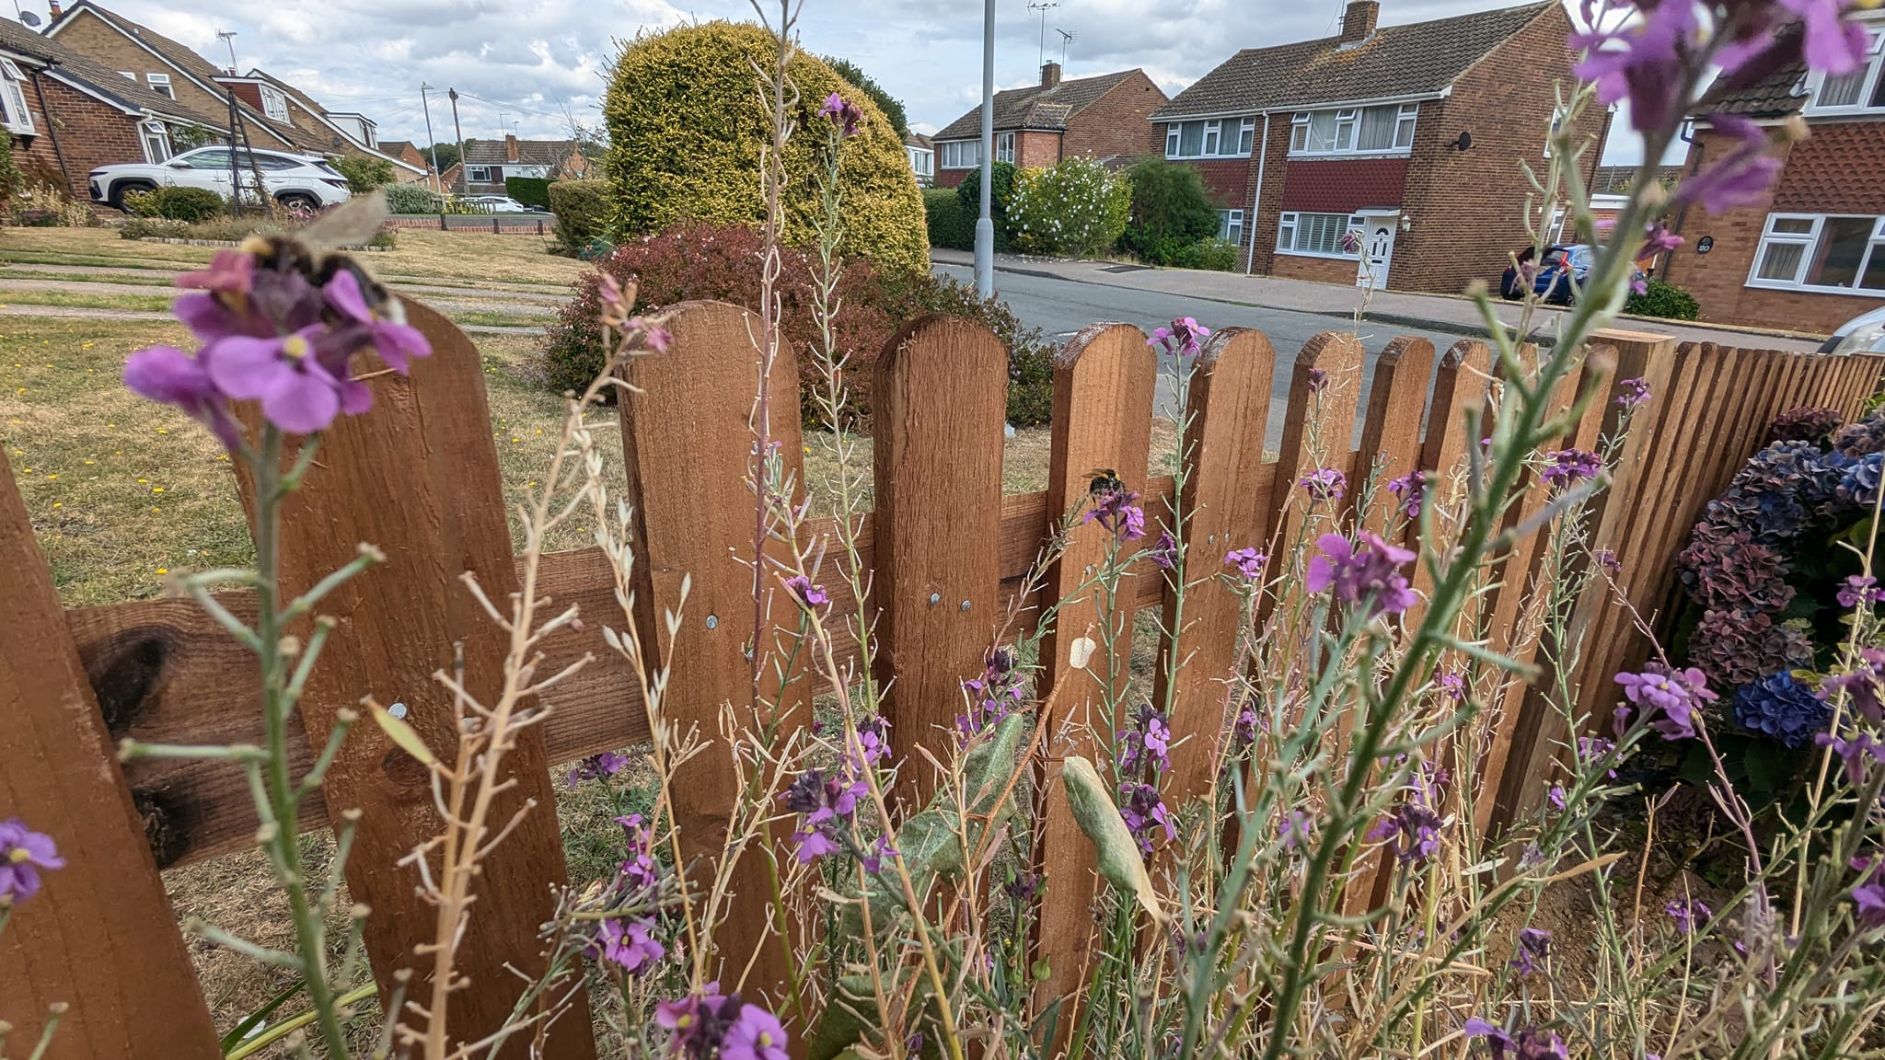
x=949 y=555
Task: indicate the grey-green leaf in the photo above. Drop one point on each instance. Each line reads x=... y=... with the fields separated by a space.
x=1099 y=818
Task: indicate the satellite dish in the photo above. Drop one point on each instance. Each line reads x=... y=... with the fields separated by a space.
x=27 y=18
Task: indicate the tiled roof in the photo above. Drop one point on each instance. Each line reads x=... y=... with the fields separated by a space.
x=1770 y=97
x=917 y=139
x=529 y=152
x=1035 y=107
x=100 y=79
x=1407 y=60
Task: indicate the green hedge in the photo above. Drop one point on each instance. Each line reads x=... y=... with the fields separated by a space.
x=1666 y=300
x=687 y=131
x=531 y=191
x=1212 y=253
x=175 y=204
x=1171 y=213
x=364 y=174
x=950 y=226
x=582 y=213
x=412 y=198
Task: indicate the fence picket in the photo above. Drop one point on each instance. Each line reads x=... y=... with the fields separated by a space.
x=97 y=937
x=419 y=479
x=688 y=449
x=1318 y=428
x=1390 y=435
x=939 y=403
x=1222 y=506
x=1104 y=381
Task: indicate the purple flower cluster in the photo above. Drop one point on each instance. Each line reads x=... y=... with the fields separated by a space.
x=843 y=114
x=1566 y=467
x=1863 y=438
x=1780 y=708
x=629 y=944
x=1164 y=552
x=1862 y=686
x=24 y=853
x=1411 y=490
x=1534 y=945
x=1365 y=572
x=1184 y=338
x=1247 y=562
x=1632 y=393
x=1688 y=913
x=639 y=874
x=1856 y=753
x=1805 y=424
x=1147 y=744
x=1145 y=815
x=711 y=1024
x=1859 y=590
x=992 y=696
x=1527 y=1043
x=1868 y=892
x=1117 y=509
x=596 y=767
x=808 y=594
x=1415 y=822
x=1325 y=484
x=1736 y=648
x=1672 y=700
x=270 y=334
x=827 y=806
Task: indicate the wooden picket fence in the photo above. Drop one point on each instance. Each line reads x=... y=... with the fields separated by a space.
x=419 y=478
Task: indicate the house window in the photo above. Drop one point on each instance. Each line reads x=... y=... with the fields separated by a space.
x=1230 y=225
x=1821 y=252
x=274 y=103
x=1861 y=90
x=1385 y=129
x=13 y=113
x=156 y=140
x=961 y=154
x=480 y=174
x=160 y=84
x=1004 y=147
x=1315 y=234
x=1209 y=139
x=128 y=76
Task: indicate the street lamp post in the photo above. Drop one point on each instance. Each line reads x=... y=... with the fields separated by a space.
x=985 y=224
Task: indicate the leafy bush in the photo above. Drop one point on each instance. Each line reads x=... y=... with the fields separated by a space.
x=582 y=213
x=698 y=260
x=9 y=172
x=531 y=191
x=686 y=131
x=969 y=193
x=413 y=198
x=1218 y=255
x=175 y=204
x=222 y=229
x=1170 y=211
x=364 y=174
x=950 y=225
x=1075 y=207
x=1666 y=300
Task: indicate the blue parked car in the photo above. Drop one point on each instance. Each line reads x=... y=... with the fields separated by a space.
x=1563 y=267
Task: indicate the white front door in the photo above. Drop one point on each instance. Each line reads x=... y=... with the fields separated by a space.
x=1377 y=250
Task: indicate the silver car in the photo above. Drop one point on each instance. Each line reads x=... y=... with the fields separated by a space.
x=1864 y=333
x=304 y=181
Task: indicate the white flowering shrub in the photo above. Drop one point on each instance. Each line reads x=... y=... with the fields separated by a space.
x=1077 y=207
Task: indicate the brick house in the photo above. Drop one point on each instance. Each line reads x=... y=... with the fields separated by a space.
x=274 y=116
x=67 y=115
x=1412 y=135
x=1811 y=254
x=488 y=162
x=1103 y=117
x=921 y=151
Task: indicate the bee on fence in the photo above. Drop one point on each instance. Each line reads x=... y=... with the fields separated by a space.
x=316 y=251
x=1106 y=482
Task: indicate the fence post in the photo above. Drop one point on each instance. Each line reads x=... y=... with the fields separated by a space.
x=1390 y=435
x=100 y=936
x=1104 y=381
x=688 y=449
x=939 y=402
x=418 y=478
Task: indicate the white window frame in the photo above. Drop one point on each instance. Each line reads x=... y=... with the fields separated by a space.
x=1246 y=137
x=471 y=174
x=1213 y=138
x=274 y=103
x=19 y=117
x=1230 y=226
x=154 y=132
x=1217 y=138
x=959 y=154
x=160 y=84
x=1004 y=147
x=1869 y=88
x=1347 y=132
x=1290 y=222
x=128 y=76
x=1809 y=242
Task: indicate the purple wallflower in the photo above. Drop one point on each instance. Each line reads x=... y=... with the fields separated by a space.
x=1565 y=467
x=1244 y=728
x=992 y=696
x=1297 y=830
x=1248 y=563
x=629 y=945
x=639 y=873
x=1868 y=893
x=841 y=113
x=1147 y=743
x=1669 y=698
x=1117 y=510
x=1640 y=61
x=1368 y=572
x=394 y=340
x=1453 y=685
x=1859 y=589
x=1534 y=945
x=300 y=378
x=1832 y=43
x=169 y=376
x=1855 y=753
x=756 y=1035
x=1325 y=484
x=23 y=854
x=873 y=737
x=595 y=767
x=711 y=1024
x=1688 y=913
x=1632 y=392
x=825 y=805
x=1318 y=380
x=1164 y=551
x=1145 y=815
x=805 y=592
x=1862 y=685
x=1528 y=1043
x=1411 y=489
x=1184 y=338
x=1414 y=826
x=1556 y=796
x=1741 y=176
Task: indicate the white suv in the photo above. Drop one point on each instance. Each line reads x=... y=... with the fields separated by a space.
x=305 y=181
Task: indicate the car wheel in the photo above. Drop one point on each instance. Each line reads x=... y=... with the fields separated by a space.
x=299 y=201
x=127 y=187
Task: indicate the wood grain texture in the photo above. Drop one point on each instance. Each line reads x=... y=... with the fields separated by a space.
x=1390 y=434
x=939 y=404
x=1318 y=426
x=1460 y=391
x=1104 y=381
x=688 y=434
x=98 y=936
x=418 y=478
x=1222 y=510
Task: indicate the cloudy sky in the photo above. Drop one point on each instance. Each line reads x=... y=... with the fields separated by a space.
x=525 y=64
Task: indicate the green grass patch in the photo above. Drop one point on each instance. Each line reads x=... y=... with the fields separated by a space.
x=89 y=300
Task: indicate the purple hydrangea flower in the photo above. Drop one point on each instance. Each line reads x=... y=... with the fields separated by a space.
x=805 y=592
x=24 y=853
x=1184 y=338
x=595 y=767
x=1164 y=551
x=1781 y=708
x=1411 y=489
x=1147 y=743
x=1859 y=481
x=1805 y=424
x=1565 y=467
x=1632 y=392
x=1534 y=945
x=1671 y=699
x=1688 y=913
x=1368 y=572
x=1145 y=815
x=1736 y=648
x=1325 y=484
x=629 y=944
x=1248 y=563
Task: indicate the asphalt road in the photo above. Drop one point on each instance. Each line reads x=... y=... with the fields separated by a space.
x=1061 y=308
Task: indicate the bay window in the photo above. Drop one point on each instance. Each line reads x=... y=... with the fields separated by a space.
x=1821 y=252
x=1316 y=234
x=1387 y=129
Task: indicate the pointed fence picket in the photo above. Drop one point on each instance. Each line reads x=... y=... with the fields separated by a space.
x=950 y=558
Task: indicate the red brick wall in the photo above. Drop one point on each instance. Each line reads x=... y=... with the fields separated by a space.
x=1342 y=185
x=1036 y=150
x=1821 y=175
x=1118 y=124
x=1226 y=180
x=1275 y=169
x=90 y=134
x=1324 y=270
x=1466 y=206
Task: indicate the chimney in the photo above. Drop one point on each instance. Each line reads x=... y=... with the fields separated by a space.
x=53 y=10
x=1050 y=75
x=510 y=147
x=1359 y=19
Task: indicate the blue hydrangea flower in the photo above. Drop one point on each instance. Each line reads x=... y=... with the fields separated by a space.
x=1782 y=709
x=1858 y=485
